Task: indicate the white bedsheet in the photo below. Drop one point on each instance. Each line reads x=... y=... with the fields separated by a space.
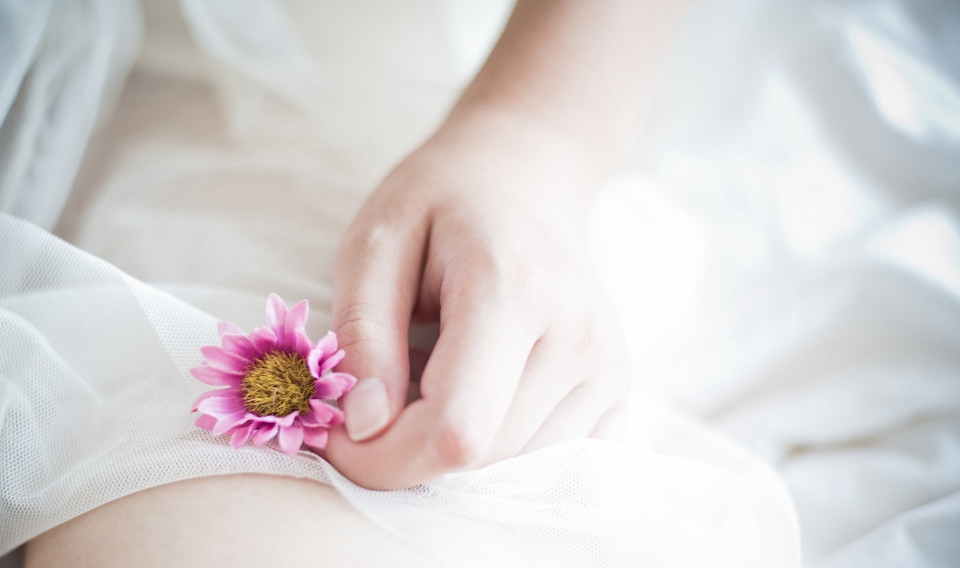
x=809 y=200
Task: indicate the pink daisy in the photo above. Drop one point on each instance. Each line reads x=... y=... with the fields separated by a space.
x=278 y=382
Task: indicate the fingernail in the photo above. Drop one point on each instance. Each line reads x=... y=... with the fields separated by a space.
x=366 y=409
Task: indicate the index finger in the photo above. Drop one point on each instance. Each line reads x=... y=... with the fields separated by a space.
x=466 y=389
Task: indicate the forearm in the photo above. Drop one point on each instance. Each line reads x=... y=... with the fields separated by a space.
x=576 y=68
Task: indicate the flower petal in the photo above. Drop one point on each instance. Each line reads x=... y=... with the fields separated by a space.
x=264 y=339
x=323 y=415
x=315 y=437
x=241 y=345
x=333 y=385
x=276 y=316
x=227 y=328
x=284 y=421
x=291 y=438
x=331 y=361
x=265 y=432
x=221 y=406
x=297 y=316
x=206 y=422
x=328 y=343
x=207 y=374
x=224 y=360
x=216 y=393
x=241 y=435
x=313 y=361
x=228 y=422
x=302 y=344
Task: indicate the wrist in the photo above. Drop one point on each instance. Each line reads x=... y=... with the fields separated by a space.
x=499 y=158
x=501 y=139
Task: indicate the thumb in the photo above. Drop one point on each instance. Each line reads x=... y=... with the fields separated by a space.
x=376 y=279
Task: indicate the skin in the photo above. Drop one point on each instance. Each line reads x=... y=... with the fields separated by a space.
x=234 y=520
x=481 y=230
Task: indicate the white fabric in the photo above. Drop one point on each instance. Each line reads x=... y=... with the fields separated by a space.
x=61 y=64
x=96 y=393
x=793 y=274
x=784 y=252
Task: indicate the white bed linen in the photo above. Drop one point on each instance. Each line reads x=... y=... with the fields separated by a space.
x=810 y=200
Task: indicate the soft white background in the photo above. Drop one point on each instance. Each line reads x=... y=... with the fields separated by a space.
x=783 y=246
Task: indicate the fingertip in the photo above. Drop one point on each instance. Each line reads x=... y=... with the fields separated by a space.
x=366 y=409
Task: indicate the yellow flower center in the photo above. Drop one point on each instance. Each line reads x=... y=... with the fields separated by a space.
x=277 y=384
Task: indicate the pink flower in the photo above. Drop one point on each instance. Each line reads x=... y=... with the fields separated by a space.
x=278 y=383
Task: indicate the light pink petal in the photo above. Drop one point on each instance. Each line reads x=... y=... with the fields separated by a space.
x=264 y=433
x=297 y=316
x=306 y=420
x=227 y=328
x=315 y=437
x=241 y=435
x=218 y=393
x=241 y=345
x=225 y=423
x=215 y=377
x=328 y=343
x=221 y=405
x=264 y=339
x=313 y=361
x=333 y=385
x=276 y=316
x=206 y=422
x=331 y=361
x=291 y=438
x=224 y=360
x=323 y=414
x=302 y=343
x=279 y=420
x=284 y=421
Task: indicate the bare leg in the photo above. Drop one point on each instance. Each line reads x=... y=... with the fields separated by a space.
x=235 y=520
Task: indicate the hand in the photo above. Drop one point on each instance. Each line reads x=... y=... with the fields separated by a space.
x=482 y=230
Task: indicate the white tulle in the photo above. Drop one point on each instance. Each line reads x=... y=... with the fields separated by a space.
x=784 y=252
x=96 y=396
x=62 y=64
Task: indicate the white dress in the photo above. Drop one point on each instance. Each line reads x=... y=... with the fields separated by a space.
x=761 y=273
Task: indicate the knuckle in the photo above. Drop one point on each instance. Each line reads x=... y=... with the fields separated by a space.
x=585 y=327
x=361 y=322
x=498 y=279
x=366 y=242
x=589 y=328
x=460 y=443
